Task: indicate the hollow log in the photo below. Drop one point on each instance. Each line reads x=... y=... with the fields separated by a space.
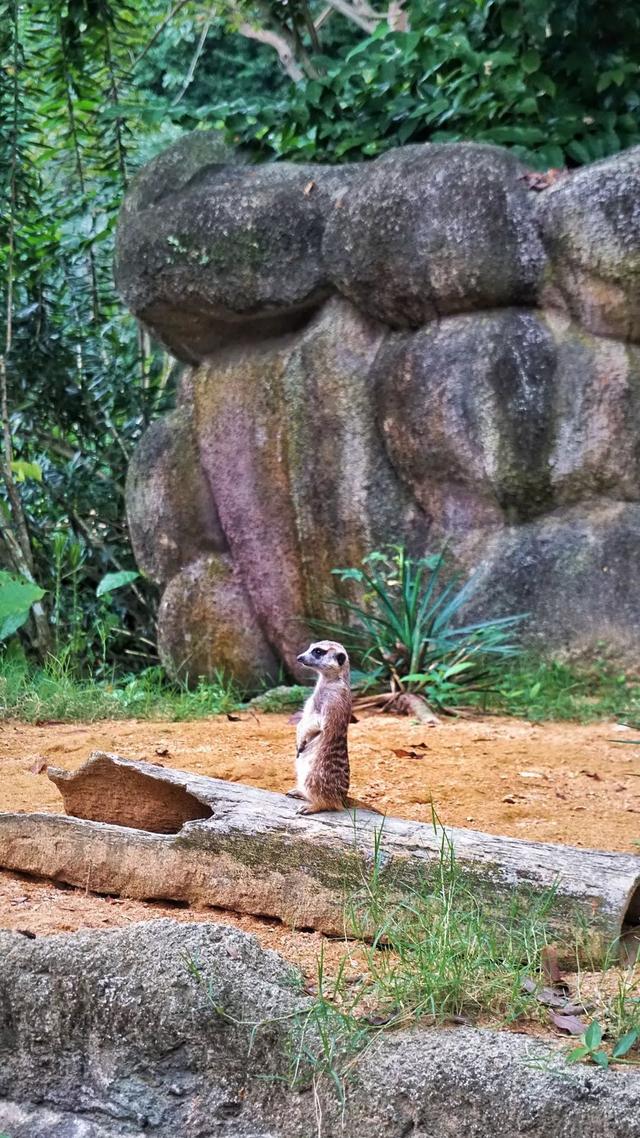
x=138 y=830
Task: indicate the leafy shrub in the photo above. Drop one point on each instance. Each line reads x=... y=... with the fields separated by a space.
x=557 y=82
x=405 y=630
x=17 y=595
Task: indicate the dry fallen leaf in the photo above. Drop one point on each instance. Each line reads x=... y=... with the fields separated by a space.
x=39 y=766
x=576 y=1009
x=234 y=718
x=163 y=752
x=570 y=1024
x=402 y=753
x=308 y=188
x=592 y=774
x=545 y=996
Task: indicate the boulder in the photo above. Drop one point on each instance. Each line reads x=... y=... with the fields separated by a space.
x=347 y=496
x=242 y=428
x=576 y=572
x=171 y=512
x=590 y=225
x=434 y=229
x=207 y=625
x=596 y=416
x=288 y=441
x=466 y=410
x=229 y=253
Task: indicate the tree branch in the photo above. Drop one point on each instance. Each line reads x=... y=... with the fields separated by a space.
x=367 y=22
x=196 y=56
x=278 y=42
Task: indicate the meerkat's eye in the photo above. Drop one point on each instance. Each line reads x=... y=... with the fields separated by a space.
x=340 y=658
x=317 y=652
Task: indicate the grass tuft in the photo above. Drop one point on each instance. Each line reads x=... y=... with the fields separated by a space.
x=547 y=690
x=53 y=694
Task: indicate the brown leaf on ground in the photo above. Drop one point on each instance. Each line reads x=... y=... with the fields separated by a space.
x=545 y=996
x=308 y=188
x=592 y=774
x=39 y=766
x=402 y=753
x=571 y=1024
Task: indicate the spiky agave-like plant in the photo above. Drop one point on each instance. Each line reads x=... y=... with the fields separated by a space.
x=404 y=632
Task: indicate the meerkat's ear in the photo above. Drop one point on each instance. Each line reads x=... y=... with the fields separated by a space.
x=340 y=658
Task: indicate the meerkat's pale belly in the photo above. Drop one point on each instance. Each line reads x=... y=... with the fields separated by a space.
x=308 y=726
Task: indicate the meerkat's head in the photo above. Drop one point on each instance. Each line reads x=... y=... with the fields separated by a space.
x=327 y=658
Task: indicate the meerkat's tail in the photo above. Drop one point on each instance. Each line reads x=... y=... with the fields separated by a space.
x=358 y=804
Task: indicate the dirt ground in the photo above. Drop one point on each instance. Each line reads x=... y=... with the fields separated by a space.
x=546 y=782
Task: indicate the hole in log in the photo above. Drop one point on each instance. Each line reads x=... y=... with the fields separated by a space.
x=102 y=792
x=630 y=931
x=631 y=919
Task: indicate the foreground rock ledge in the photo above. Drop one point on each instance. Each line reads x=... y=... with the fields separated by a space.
x=105 y=1035
x=144 y=831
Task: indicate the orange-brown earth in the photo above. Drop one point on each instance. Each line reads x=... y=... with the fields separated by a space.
x=546 y=782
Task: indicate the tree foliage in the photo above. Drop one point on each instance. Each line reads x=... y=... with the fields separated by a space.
x=558 y=82
x=80 y=381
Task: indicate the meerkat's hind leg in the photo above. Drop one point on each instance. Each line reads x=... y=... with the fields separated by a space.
x=319 y=807
x=295 y=794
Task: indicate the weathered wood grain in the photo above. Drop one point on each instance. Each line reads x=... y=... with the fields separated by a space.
x=254 y=854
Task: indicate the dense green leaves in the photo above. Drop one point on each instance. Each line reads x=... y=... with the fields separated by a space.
x=82 y=381
x=558 y=82
x=17 y=595
x=113 y=581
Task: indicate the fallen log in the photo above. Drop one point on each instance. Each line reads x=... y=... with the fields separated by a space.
x=143 y=831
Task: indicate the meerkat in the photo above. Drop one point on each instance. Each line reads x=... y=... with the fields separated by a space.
x=322 y=756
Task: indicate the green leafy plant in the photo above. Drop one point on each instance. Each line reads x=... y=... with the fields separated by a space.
x=591 y=1049
x=539 y=690
x=546 y=79
x=113 y=581
x=17 y=595
x=405 y=629
x=54 y=691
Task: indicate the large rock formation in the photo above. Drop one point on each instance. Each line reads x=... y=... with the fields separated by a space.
x=416 y=348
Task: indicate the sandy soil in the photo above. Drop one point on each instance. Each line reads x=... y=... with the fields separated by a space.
x=550 y=782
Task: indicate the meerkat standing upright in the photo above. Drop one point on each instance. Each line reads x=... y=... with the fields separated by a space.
x=322 y=757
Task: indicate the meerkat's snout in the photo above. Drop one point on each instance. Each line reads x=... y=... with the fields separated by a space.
x=325 y=656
